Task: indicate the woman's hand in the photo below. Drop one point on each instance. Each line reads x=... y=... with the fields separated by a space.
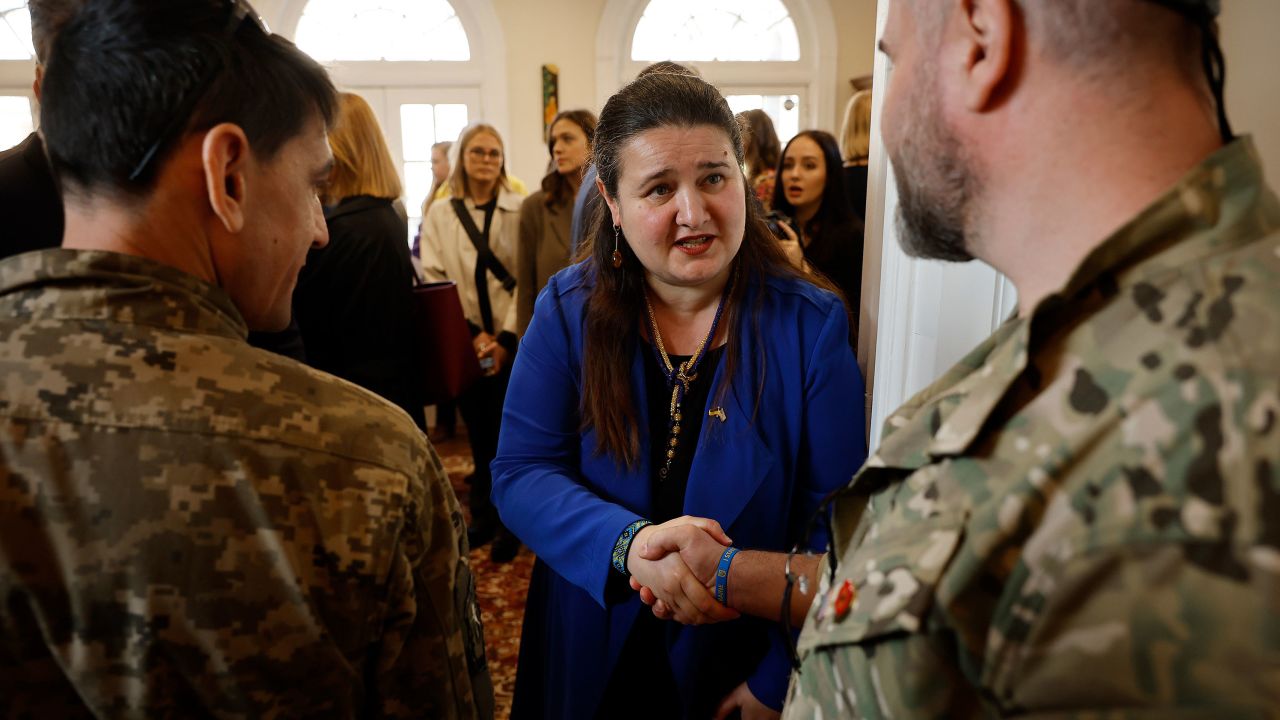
x=791 y=246
x=670 y=580
x=486 y=346
x=748 y=706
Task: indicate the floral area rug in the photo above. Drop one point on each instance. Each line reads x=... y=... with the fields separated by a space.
x=501 y=589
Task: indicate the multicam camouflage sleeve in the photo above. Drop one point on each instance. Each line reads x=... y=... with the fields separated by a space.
x=432 y=660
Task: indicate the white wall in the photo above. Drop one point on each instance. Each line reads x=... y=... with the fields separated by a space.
x=1251 y=43
x=920 y=317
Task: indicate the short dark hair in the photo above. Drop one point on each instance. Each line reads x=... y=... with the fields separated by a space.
x=121 y=70
x=47 y=18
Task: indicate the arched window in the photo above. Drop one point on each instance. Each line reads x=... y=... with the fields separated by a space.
x=773 y=55
x=15 y=31
x=420 y=65
x=727 y=30
x=17 y=111
x=394 y=30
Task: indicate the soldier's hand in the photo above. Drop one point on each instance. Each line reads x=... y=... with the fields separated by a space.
x=699 y=541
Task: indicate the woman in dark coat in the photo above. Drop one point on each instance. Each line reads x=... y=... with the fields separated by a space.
x=353 y=302
x=811 y=192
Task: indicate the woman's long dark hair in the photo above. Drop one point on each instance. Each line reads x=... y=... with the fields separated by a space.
x=663 y=98
x=834 y=210
x=557 y=188
x=831 y=230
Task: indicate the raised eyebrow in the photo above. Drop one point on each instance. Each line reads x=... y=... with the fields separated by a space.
x=713 y=164
x=656 y=176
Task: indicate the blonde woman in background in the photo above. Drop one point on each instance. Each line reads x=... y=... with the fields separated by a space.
x=439 y=178
x=352 y=303
x=446 y=422
x=471 y=239
x=855 y=148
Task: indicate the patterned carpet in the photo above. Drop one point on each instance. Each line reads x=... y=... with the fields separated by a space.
x=501 y=588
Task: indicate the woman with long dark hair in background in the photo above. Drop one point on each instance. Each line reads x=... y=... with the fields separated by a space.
x=811 y=192
x=545 y=216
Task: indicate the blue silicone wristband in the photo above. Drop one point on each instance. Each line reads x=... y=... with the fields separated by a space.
x=722 y=575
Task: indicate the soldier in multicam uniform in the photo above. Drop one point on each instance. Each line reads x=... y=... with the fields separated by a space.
x=1082 y=518
x=188 y=526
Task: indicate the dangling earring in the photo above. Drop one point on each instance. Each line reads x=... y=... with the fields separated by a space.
x=617 y=254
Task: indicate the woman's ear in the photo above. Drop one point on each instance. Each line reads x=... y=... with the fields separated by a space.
x=225 y=156
x=611 y=202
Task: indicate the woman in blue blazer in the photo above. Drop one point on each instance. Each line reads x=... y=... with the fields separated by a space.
x=683 y=373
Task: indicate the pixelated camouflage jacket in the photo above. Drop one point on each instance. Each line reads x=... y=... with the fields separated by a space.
x=1082 y=518
x=191 y=527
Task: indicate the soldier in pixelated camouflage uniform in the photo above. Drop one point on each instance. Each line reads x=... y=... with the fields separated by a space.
x=1082 y=518
x=190 y=527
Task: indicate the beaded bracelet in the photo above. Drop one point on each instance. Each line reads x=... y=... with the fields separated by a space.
x=722 y=575
x=622 y=547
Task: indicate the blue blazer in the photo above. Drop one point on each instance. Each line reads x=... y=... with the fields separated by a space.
x=761 y=473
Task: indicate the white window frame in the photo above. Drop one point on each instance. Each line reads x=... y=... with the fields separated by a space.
x=813 y=77
x=918 y=317
x=488 y=50
x=16 y=78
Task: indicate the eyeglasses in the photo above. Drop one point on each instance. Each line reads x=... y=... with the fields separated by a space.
x=481 y=154
x=241 y=13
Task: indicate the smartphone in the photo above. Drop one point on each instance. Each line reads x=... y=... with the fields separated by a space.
x=486 y=364
x=774 y=220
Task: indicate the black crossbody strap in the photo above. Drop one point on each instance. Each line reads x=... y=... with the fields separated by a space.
x=481 y=243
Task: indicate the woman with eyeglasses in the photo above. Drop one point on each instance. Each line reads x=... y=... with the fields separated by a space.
x=471 y=239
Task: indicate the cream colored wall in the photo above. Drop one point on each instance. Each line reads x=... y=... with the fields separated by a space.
x=1250 y=43
x=856 y=27
x=547 y=32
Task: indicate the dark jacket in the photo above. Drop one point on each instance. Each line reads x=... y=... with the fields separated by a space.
x=837 y=254
x=353 y=303
x=29 y=199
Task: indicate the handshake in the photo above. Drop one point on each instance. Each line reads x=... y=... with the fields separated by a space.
x=673 y=567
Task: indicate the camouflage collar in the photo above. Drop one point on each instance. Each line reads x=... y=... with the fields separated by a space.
x=92 y=285
x=1193 y=215
x=1211 y=209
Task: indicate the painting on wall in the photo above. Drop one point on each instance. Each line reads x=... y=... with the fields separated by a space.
x=550 y=96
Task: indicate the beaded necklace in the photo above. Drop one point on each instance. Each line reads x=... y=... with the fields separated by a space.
x=679 y=379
